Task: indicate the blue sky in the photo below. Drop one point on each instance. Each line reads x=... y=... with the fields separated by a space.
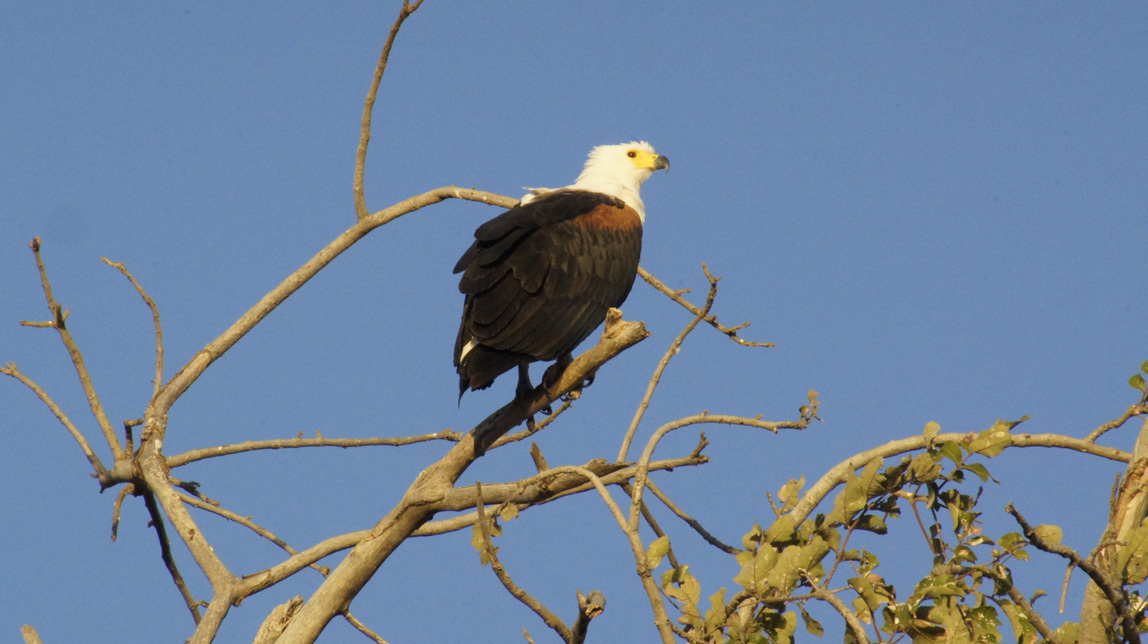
x=937 y=212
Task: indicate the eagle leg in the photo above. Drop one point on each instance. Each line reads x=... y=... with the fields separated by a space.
x=524 y=392
x=554 y=372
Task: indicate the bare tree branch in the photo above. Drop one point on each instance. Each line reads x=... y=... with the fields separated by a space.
x=102 y=472
x=690 y=521
x=276 y=296
x=1111 y=589
x=294 y=443
x=672 y=351
x=169 y=559
x=839 y=473
x=277 y=620
x=158 y=382
x=641 y=476
x=247 y=523
x=30 y=634
x=59 y=322
x=589 y=607
x=1133 y=410
x=711 y=319
x=629 y=528
x=369 y=107
x=547 y=616
x=361 y=627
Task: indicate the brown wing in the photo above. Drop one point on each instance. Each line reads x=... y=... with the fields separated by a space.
x=539 y=279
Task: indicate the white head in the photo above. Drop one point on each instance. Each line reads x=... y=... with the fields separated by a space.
x=619 y=171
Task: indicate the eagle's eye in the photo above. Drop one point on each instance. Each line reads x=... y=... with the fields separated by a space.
x=632 y=154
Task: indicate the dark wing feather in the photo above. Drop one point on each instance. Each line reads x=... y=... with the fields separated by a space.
x=538 y=279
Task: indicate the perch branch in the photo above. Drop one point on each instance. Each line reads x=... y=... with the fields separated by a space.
x=617 y=336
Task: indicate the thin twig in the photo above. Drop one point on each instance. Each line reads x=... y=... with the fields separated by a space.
x=369 y=107
x=102 y=472
x=59 y=322
x=130 y=488
x=247 y=523
x=551 y=620
x=168 y=559
x=299 y=442
x=672 y=351
x=535 y=428
x=1134 y=410
x=711 y=319
x=155 y=320
x=362 y=628
x=1112 y=591
x=690 y=521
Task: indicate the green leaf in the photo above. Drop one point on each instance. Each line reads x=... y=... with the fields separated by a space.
x=750 y=539
x=871 y=523
x=790 y=493
x=932 y=428
x=781 y=531
x=993 y=440
x=1144 y=366
x=1049 y=533
x=951 y=451
x=940 y=586
x=756 y=568
x=508 y=512
x=811 y=625
x=926 y=466
x=980 y=470
x=657 y=551
x=1011 y=541
x=1137 y=382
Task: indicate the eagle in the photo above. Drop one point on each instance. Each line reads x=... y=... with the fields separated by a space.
x=540 y=277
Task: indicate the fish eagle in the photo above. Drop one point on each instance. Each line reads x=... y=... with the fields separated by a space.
x=539 y=278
